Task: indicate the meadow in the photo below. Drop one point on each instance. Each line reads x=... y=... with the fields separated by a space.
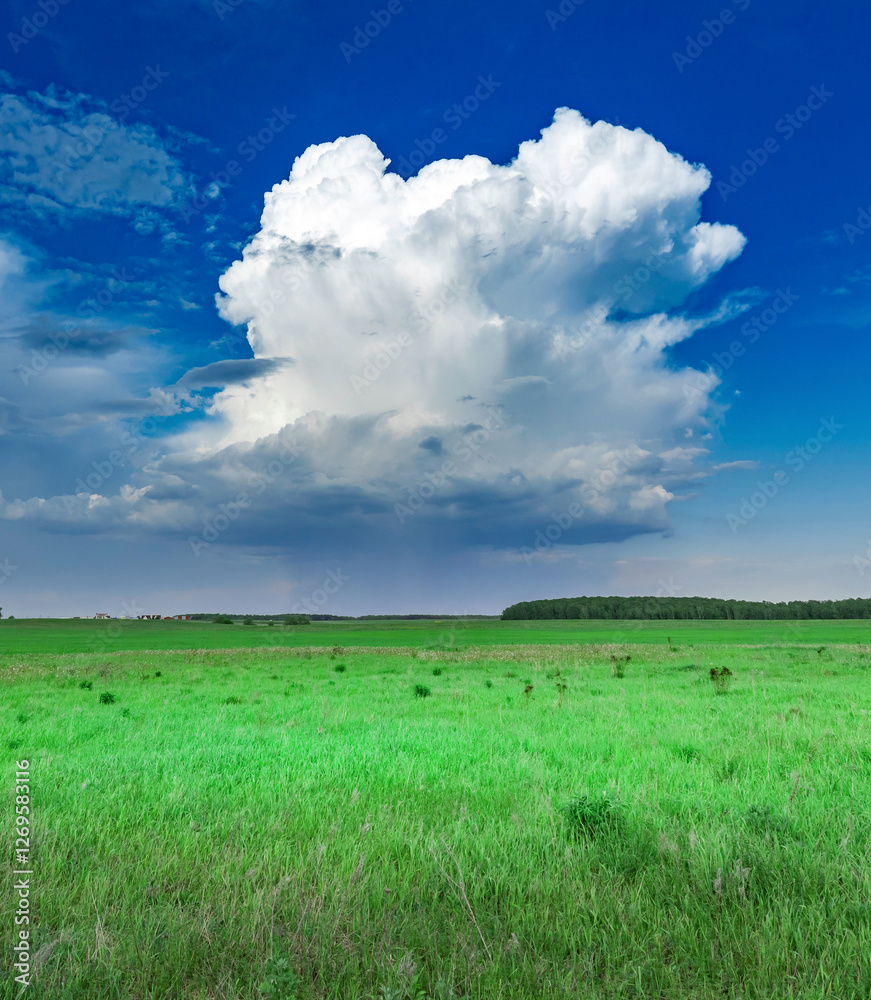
x=535 y=817
x=39 y=635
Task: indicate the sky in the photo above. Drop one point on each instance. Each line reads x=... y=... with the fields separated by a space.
x=415 y=308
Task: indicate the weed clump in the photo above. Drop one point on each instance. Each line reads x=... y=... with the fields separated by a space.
x=107 y=698
x=763 y=820
x=340 y=668
x=421 y=691
x=586 y=817
x=618 y=665
x=721 y=679
x=281 y=982
x=729 y=769
x=687 y=752
x=437 y=671
x=233 y=700
x=86 y=685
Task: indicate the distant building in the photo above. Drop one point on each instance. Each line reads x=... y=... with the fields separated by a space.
x=102 y=614
x=182 y=618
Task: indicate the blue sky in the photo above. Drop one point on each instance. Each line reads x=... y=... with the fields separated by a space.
x=631 y=360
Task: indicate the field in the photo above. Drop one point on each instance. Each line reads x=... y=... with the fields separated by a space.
x=526 y=810
x=87 y=635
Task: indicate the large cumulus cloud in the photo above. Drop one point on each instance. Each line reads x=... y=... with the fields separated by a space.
x=480 y=346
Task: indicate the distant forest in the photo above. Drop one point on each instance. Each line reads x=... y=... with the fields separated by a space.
x=693 y=608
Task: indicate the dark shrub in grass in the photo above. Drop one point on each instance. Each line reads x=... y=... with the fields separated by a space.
x=421 y=691
x=107 y=698
x=586 y=817
x=721 y=679
x=436 y=671
x=86 y=685
x=340 y=668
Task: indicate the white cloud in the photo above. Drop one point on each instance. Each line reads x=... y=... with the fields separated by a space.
x=63 y=152
x=743 y=464
x=510 y=321
x=15 y=294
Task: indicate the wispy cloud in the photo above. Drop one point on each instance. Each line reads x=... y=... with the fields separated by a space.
x=62 y=153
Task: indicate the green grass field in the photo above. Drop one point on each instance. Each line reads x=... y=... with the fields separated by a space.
x=38 y=635
x=300 y=823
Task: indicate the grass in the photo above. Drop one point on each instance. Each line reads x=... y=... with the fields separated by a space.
x=260 y=826
x=39 y=635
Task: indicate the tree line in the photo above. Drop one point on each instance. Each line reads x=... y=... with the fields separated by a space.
x=689 y=608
